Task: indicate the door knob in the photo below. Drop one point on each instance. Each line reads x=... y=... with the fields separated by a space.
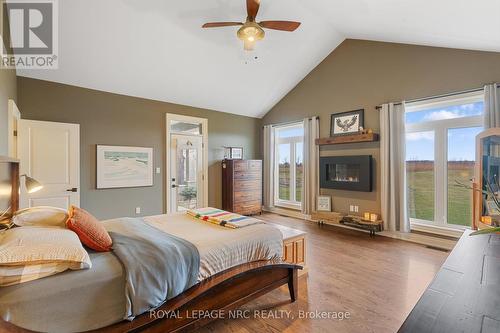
x=174 y=186
x=74 y=189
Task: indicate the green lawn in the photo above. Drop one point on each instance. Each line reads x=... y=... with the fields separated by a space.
x=421 y=196
x=284 y=183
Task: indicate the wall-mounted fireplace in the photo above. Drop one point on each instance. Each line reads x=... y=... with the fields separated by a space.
x=353 y=173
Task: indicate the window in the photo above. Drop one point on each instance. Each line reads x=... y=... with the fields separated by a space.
x=289 y=164
x=440 y=151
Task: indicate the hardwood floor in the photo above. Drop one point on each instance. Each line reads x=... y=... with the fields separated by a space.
x=377 y=280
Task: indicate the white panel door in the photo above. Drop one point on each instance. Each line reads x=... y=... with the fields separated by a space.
x=50 y=153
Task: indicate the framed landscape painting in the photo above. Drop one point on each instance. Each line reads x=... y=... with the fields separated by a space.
x=122 y=166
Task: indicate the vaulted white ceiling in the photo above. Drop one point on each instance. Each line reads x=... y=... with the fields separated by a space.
x=156 y=49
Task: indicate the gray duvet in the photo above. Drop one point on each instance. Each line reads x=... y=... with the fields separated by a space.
x=158 y=266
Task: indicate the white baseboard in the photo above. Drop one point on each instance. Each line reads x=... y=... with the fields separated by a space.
x=440 y=243
x=287 y=212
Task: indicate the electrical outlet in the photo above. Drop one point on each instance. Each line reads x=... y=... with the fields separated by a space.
x=137 y=210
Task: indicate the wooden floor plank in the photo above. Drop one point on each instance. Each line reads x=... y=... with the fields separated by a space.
x=377 y=280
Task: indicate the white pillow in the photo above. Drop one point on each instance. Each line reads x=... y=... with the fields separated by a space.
x=41 y=216
x=38 y=246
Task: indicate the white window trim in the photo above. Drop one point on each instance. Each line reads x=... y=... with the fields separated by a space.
x=290 y=204
x=440 y=129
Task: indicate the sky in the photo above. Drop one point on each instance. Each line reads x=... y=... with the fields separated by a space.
x=461 y=141
x=284 y=148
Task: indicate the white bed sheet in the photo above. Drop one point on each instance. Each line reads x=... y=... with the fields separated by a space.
x=221 y=248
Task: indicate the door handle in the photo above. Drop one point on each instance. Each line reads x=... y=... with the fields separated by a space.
x=74 y=189
x=174 y=186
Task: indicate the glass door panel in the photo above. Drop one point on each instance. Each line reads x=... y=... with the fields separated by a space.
x=420 y=175
x=186 y=164
x=186 y=179
x=460 y=168
x=284 y=170
x=299 y=170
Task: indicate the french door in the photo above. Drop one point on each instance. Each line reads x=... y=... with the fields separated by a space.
x=440 y=155
x=187 y=165
x=289 y=165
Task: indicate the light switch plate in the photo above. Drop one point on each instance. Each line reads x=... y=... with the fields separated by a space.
x=137 y=210
x=157 y=170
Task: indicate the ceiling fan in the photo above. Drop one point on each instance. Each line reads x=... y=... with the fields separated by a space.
x=252 y=31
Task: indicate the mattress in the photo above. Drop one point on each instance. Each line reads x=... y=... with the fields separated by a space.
x=70 y=301
x=82 y=300
x=221 y=248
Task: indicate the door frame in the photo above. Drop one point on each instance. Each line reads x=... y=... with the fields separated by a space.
x=14 y=115
x=204 y=146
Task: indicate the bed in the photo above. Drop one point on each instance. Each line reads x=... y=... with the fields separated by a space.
x=236 y=265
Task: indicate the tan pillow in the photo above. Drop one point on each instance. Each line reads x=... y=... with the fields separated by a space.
x=40 y=245
x=10 y=275
x=40 y=216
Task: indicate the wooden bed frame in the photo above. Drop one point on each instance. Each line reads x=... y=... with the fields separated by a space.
x=224 y=291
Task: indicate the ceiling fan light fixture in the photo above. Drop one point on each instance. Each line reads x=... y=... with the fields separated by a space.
x=249 y=33
x=248 y=45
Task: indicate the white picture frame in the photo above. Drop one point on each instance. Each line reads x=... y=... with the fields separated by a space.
x=324 y=203
x=233 y=153
x=236 y=153
x=124 y=166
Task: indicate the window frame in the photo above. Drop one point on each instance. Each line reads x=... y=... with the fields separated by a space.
x=292 y=141
x=440 y=129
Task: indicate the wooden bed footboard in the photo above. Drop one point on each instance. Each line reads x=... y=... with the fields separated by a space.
x=196 y=306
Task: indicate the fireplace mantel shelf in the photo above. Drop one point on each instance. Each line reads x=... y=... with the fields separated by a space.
x=354 y=138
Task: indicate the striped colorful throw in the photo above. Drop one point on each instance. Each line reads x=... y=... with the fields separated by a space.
x=223 y=218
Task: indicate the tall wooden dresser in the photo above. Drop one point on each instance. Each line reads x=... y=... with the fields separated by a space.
x=242 y=186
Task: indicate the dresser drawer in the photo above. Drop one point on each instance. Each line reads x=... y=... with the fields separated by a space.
x=255 y=165
x=253 y=175
x=240 y=166
x=246 y=185
x=248 y=207
x=244 y=196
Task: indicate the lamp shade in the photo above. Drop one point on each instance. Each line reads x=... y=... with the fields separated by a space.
x=32 y=185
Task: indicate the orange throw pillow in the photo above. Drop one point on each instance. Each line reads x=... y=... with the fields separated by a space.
x=90 y=231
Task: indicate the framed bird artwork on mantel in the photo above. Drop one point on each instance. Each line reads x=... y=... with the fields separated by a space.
x=347 y=122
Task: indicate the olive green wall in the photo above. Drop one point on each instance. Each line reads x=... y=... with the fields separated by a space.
x=113 y=119
x=363 y=74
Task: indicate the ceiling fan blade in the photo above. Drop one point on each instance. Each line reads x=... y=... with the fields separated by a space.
x=220 y=24
x=280 y=25
x=252 y=9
